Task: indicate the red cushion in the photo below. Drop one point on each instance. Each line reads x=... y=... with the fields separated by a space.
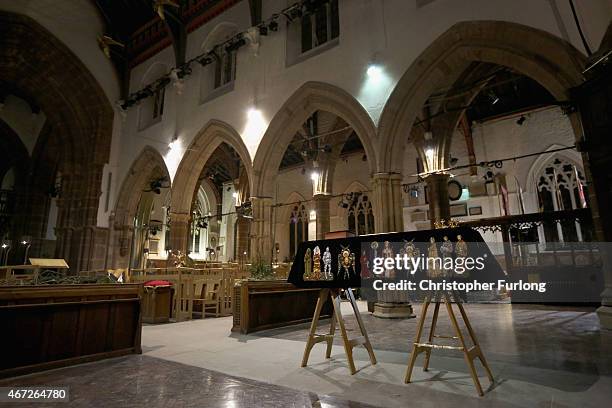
x=158 y=283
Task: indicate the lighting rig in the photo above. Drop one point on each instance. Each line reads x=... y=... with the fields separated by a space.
x=350 y=199
x=291 y=13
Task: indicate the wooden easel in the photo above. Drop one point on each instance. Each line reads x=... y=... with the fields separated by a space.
x=314 y=338
x=469 y=353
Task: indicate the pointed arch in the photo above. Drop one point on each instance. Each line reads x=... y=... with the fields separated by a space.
x=310 y=97
x=549 y=60
x=355 y=186
x=196 y=157
x=293 y=197
x=149 y=164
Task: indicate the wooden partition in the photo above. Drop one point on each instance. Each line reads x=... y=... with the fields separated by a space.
x=52 y=326
x=260 y=305
x=182 y=281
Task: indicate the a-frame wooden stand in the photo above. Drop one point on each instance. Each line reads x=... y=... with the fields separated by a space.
x=469 y=353
x=314 y=338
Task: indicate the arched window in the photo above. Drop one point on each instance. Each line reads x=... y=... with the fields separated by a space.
x=298 y=228
x=560 y=187
x=219 y=67
x=152 y=108
x=360 y=216
x=225 y=66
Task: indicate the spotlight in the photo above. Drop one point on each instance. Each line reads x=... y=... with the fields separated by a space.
x=235 y=194
x=314 y=176
x=234 y=45
x=494 y=98
x=374 y=71
x=205 y=60
x=521 y=120
x=172 y=144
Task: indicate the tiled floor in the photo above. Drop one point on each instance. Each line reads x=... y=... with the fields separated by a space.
x=142 y=381
x=541 y=356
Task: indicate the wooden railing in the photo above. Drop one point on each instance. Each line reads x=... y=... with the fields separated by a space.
x=567 y=258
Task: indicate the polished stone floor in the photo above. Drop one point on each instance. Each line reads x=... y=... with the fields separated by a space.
x=143 y=381
x=549 y=337
x=541 y=356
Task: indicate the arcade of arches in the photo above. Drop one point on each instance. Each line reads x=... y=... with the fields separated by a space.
x=322 y=164
x=492 y=123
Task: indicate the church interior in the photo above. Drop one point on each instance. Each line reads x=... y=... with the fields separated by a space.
x=173 y=174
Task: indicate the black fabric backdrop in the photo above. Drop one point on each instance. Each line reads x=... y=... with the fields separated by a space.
x=421 y=239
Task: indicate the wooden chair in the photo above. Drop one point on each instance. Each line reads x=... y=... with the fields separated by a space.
x=206 y=293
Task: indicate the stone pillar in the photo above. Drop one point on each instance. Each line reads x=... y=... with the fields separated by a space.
x=179 y=231
x=387 y=202
x=261 y=229
x=120 y=246
x=437 y=195
x=321 y=202
x=388 y=216
x=593 y=100
x=242 y=238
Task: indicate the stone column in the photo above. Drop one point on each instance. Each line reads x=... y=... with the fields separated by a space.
x=437 y=195
x=179 y=231
x=387 y=201
x=321 y=202
x=242 y=238
x=261 y=229
x=388 y=216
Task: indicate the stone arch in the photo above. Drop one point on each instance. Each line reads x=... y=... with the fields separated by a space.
x=549 y=60
x=293 y=197
x=80 y=118
x=196 y=157
x=355 y=185
x=310 y=97
x=147 y=165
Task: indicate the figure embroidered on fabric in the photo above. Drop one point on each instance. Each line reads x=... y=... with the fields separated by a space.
x=434 y=267
x=316 y=270
x=346 y=261
x=307 y=264
x=388 y=253
x=365 y=265
x=327 y=272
